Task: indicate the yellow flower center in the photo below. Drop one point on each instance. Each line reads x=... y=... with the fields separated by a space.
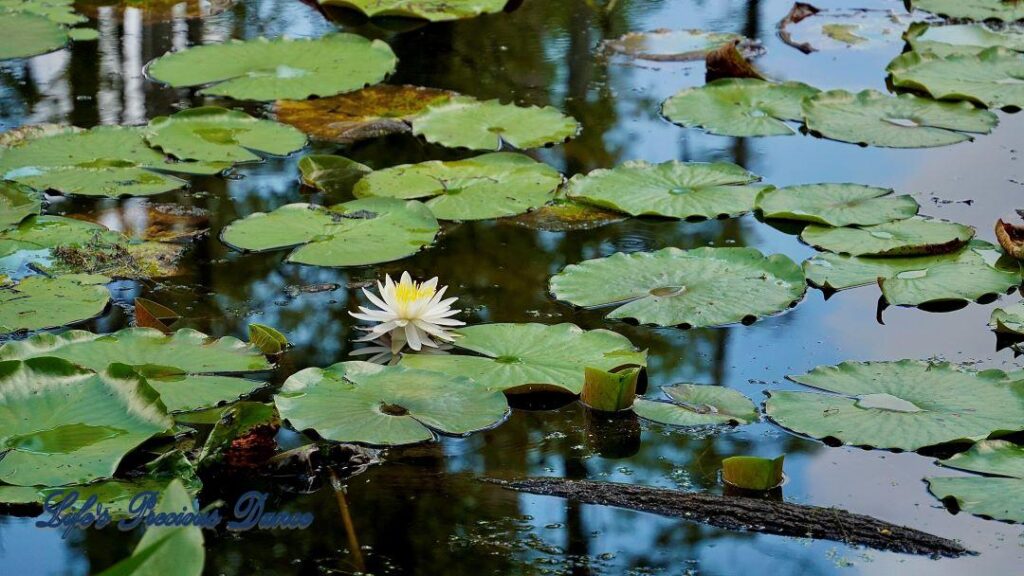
x=409 y=293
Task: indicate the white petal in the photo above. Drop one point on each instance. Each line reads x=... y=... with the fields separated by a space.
x=412 y=334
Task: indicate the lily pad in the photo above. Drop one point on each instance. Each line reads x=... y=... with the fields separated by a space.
x=331 y=174
x=905 y=121
x=63 y=424
x=368 y=113
x=27 y=34
x=998 y=498
x=56 y=11
x=488 y=186
x=563 y=215
x=530 y=357
x=39 y=302
x=1007 y=11
x=664 y=45
x=697 y=405
x=687 y=288
x=277 y=69
x=904 y=405
x=810 y=29
x=836 y=204
x=686 y=190
x=431 y=10
x=993 y=78
x=356 y=233
x=911 y=237
x=1009 y=320
x=739 y=107
x=17 y=202
x=387 y=405
x=214 y=134
x=951 y=39
x=468 y=123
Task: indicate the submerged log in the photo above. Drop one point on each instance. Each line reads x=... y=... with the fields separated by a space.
x=746 y=514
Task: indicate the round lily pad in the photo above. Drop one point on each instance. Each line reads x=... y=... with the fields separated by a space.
x=39 y=302
x=664 y=45
x=1007 y=11
x=467 y=123
x=685 y=190
x=998 y=498
x=387 y=405
x=687 y=288
x=697 y=405
x=950 y=39
x=63 y=424
x=431 y=10
x=1008 y=320
x=911 y=237
x=356 y=233
x=993 y=78
x=277 y=69
x=905 y=121
x=28 y=34
x=530 y=357
x=217 y=134
x=904 y=405
x=739 y=107
x=488 y=186
x=17 y=202
x=836 y=204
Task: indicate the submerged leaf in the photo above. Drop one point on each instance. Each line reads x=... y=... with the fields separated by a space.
x=490 y=125
x=431 y=10
x=698 y=405
x=214 y=134
x=39 y=302
x=910 y=237
x=664 y=45
x=997 y=498
x=993 y=78
x=739 y=107
x=1005 y=10
x=836 y=204
x=810 y=29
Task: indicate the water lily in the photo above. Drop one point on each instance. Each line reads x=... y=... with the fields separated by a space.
x=410 y=313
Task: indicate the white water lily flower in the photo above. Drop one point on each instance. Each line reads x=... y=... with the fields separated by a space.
x=410 y=314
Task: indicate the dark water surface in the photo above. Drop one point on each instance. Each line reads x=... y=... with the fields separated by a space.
x=422 y=512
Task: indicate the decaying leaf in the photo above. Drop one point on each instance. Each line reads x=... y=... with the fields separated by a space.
x=728 y=62
x=1011 y=238
x=665 y=45
x=150 y=314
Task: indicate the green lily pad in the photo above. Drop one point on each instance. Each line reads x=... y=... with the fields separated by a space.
x=993 y=78
x=1005 y=10
x=697 y=405
x=685 y=190
x=739 y=107
x=56 y=11
x=387 y=405
x=998 y=498
x=687 y=288
x=563 y=215
x=236 y=421
x=431 y=10
x=970 y=278
x=911 y=237
x=905 y=121
x=216 y=134
x=45 y=232
x=28 y=34
x=488 y=186
x=277 y=69
x=39 y=302
x=836 y=204
x=1009 y=320
x=356 y=233
x=951 y=39
x=664 y=45
x=530 y=357
x=467 y=123
x=331 y=174
x=904 y=405
x=17 y=202
x=63 y=424
x=110 y=161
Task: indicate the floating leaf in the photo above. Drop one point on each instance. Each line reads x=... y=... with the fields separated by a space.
x=1005 y=10
x=149 y=314
x=241 y=420
x=697 y=405
x=268 y=340
x=563 y=215
x=687 y=288
x=753 y=473
x=45 y=232
x=674 y=189
x=1009 y=320
x=39 y=302
x=836 y=204
x=214 y=134
x=431 y=10
x=331 y=174
x=488 y=186
x=664 y=45
x=283 y=68
x=17 y=202
x=809 y=29
x=997 y=498
x=467 y=123
x=28 y=34
x=1011 y=238
x=387 y=405
x=356 y=233
x=529 y=357
x=22 y=134
x=903 y=405
x=911 y=237
x=905 y=121
x=950 y=39
x=83 y=34
x=739 y=107
x=993 y=78
x=63 y=424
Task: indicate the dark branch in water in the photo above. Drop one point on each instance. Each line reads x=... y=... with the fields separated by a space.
x=746 y=514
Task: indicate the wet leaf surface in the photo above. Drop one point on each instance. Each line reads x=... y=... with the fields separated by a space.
x=39 y=302
x=739 y=107
x=910 y=237
x=836 y=204
x=993 y=78
x=214 y=134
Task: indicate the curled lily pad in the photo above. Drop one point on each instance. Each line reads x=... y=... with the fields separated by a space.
x=836 y=204
x=356 y=233
x=488 y=186
x=368 y=113
x=697 y=405
x=664 y=45
x=63 y=424
x=331 y=174
x=39 y=302
x=1009 y=320
x=1000 y=498
x=673 y=189
x=688 y=288
x=904 y=405
x=1007 y=11
x=17 y=202
x=387 y=405
x=277 y=69
x=528 y=357
x=431 y=10
x=950 y=39
x=739 y=107
x=905 y=121
x=216 y=134
x=467 y=123
x=910 y=237
x=993 y=78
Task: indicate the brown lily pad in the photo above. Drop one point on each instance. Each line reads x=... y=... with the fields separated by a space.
x=729 y=62
x=1011 y=238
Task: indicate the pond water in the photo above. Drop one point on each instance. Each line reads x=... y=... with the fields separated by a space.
x=422 y=511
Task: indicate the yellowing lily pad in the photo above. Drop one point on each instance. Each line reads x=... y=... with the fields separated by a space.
x=467 y=123
x=431 y=10
x=214 y=134
x=739 y=107
x=910 y=237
